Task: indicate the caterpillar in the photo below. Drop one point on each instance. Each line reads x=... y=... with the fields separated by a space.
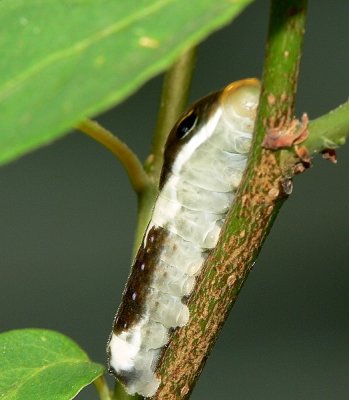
x=204 y=159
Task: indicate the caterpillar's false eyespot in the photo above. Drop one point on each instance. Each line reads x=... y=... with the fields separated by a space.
x=186 y=125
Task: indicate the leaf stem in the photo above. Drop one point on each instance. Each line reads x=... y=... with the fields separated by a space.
x=328 y=131
x=102 y=388
x=258 y=201
x=121 y=151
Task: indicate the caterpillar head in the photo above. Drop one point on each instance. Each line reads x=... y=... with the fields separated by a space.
x=237 y=100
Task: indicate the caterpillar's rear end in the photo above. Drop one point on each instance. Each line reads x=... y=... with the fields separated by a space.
x=205 y=157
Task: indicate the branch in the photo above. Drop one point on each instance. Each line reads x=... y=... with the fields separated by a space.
x=304 y=139
x=328 y=131
x=258 y=201
x=121 y=151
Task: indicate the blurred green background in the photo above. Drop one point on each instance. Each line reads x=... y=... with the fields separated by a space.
x=68 y=217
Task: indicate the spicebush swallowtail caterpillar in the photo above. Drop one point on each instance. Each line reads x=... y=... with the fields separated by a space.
x=205 y=156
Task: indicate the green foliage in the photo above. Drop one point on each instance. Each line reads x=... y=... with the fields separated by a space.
x=42 y=364
x=65 y=60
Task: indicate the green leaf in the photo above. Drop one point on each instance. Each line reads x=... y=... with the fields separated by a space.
x=64 y=60
x=42 y=364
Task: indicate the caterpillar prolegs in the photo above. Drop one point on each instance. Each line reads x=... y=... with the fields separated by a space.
x=205 y=157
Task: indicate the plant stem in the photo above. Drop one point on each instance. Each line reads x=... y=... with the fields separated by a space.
x=328 y=131
x=258 y=201
x=280 y=77
x=122 y=152
x=102 y=388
